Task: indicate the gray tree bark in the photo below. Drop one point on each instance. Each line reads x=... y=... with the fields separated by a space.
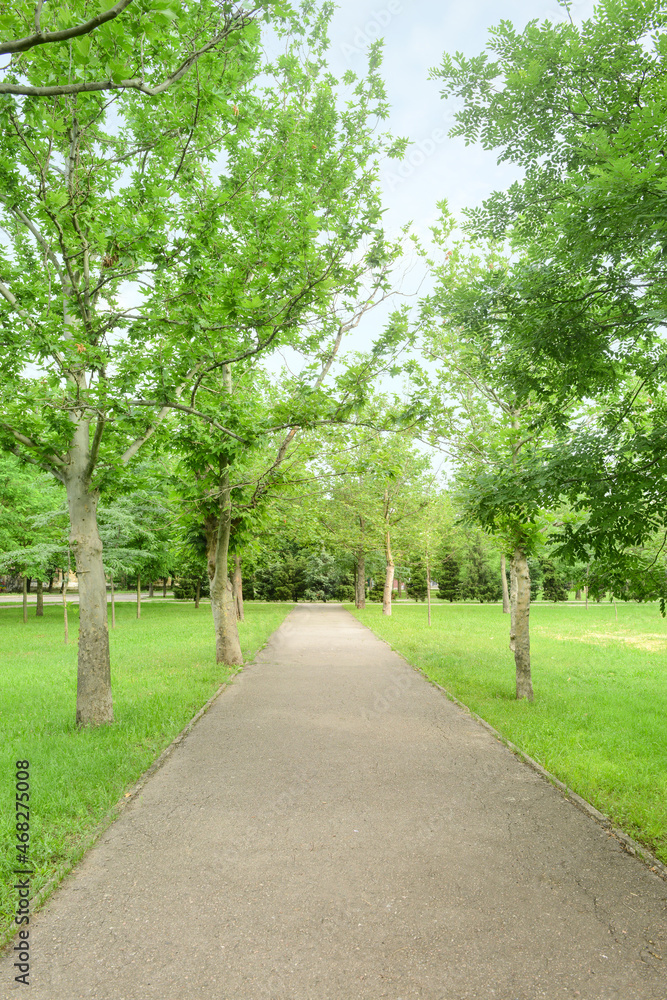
x=389 y=575
x=237 y=588
x=428 y=588
x=197 y=593
x=521 y=624
x=39 y=610
x=513 y=586
x=65 y=622
x=218 y=529
x=503 y=580
x=360 y=594
x=94 y=704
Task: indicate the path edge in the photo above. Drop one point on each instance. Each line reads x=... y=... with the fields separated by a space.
x=626 y=842
x=117 y=808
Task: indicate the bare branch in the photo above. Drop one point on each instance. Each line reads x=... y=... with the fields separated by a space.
x=33 y=461
x=11 y=298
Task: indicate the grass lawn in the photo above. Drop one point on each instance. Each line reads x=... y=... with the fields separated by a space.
x=599 y=719
x=163 y=671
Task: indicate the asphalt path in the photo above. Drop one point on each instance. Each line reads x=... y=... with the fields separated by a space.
x=334 y=828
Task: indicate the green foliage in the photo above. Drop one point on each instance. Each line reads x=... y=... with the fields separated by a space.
x=299 y=573
x=448 y=578
x=416 y=585
x=33 y=520
x=481 y=581
x=581 y=301
x=555 y=582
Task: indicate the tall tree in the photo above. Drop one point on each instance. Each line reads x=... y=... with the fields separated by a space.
x=581 y=109
x=232 y=211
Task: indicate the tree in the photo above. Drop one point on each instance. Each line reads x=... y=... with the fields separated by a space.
x=554 y=586
x=581 y=110
x=480 y=580
x=32 y=516
x=490 y=425
x=448 y=578
x=117 y=54
x=417 y=585
x=226 y=265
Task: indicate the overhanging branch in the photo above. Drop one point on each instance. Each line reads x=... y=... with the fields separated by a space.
x=240 y=20
x=44 y=37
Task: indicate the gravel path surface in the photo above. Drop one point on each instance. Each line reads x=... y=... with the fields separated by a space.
x=332 y=829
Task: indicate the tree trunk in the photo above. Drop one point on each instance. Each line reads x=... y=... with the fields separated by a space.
x=428 y=588
x=138 y=595
x=25 y=600
x=360 y=588
x=521 y=587
x=227 y=644
x=197 y=593
x=399 y=585
x=150 y=589
x=513 y=595
x=503 y=580
x=237 y=588
x=50 y=587
x=389 y=575
x=113 y=603
x=94 y=704
x=164 y=587
x=577 y=596
x=39 y=611
x=65 y=582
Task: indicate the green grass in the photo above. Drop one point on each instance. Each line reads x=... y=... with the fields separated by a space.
x=599 y=719
x=163 y=671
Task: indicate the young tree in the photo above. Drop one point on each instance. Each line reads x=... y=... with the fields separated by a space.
x=488 y=424
x=581 y=110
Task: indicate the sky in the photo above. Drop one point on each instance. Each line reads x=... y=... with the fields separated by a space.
x=416 y=34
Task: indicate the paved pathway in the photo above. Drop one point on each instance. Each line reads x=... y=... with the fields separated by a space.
x=333 y=829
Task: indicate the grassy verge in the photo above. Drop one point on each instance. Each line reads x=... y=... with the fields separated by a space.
x=599 y=719
x=163 y=671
